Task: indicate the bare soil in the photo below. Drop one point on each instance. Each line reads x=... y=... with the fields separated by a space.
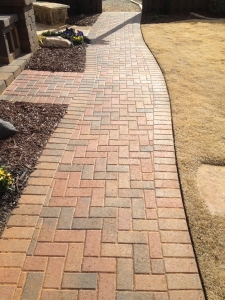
x=191 y=56
x=19 y=153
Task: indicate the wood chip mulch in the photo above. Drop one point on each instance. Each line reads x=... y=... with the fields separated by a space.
x=59 y=60
x=67 y=59
x=19 y=153
x=82 y=20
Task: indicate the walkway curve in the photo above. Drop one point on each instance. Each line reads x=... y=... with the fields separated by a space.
x=102 y=216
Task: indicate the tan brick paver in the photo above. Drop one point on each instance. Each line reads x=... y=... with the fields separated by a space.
x=102 y=216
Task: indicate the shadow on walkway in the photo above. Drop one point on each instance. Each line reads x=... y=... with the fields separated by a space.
x=100 y=39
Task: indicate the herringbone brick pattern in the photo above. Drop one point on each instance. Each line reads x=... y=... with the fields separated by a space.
x=102 y=216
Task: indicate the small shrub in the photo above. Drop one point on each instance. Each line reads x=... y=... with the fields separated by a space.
x=217 y=6
x=6 y=180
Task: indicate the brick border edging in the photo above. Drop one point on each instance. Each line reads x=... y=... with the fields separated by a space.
x=176 y=161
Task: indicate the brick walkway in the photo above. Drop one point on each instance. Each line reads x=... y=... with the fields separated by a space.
x=102 y=216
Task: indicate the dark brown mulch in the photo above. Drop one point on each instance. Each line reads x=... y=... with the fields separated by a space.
x=82 y=20
x=67 y=59
x=35 y=123
x=160 y=18
x=59 y=60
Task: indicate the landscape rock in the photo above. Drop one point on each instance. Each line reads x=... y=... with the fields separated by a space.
x=6 y=129
x=50 y=13
x=56 y=42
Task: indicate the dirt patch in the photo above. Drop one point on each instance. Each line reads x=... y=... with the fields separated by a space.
x=191 y=56
x=59 y=60
x=35 y=123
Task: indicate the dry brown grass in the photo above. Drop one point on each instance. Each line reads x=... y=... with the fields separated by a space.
x=191 y=55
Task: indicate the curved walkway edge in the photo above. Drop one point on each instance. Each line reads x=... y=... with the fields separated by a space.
x=102 y=215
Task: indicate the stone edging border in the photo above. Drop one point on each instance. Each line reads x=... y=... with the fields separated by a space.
x=9 y=72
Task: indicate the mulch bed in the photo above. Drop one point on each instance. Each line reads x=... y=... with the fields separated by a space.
x=67 y=59
x=82 y=20
x=35 y=123
x=59 y=60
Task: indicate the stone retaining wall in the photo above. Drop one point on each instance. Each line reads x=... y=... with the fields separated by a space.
x=26 y=25
x=81 y=6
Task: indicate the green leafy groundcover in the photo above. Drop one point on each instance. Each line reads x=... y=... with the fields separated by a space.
x=75 y=37
x=6 y=179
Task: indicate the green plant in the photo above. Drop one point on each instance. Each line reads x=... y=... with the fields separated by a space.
x=40 y=39
x=6 y=179
x=156 y=16
x=217 y=6
x=76 y=37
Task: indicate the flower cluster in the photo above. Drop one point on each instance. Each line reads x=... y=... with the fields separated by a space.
x=73 y=36
x=6 y=179
x=76 y=37
x=40 y=39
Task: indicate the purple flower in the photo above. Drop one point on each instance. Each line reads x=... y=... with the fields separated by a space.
x=80 y=33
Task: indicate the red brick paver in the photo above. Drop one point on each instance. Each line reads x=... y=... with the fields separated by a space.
x=102 y=216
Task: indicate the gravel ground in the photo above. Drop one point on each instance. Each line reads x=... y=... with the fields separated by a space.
x=119 y=5
x=83 y=20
